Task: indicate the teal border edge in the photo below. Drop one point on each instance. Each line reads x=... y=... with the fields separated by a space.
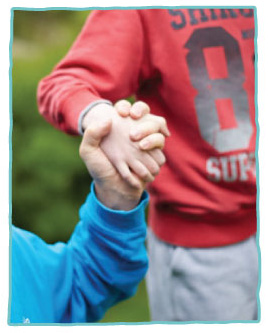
x=10 y=157
x=10 y=165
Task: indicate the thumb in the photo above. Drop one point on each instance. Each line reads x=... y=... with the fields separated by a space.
x=95 y=132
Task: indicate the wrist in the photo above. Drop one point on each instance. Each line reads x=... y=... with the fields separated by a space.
x=96 y=212
x=116 y=199
x=98 y=110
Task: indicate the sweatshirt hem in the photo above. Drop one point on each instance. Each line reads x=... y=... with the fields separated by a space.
x=213 y=230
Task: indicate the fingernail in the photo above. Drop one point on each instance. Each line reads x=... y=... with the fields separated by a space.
x=138 y=112
x=124 y=108
x=144 y=144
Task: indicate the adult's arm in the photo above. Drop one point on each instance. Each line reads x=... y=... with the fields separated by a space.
x=101 y=265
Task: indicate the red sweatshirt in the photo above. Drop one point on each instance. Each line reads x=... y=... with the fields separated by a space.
x=195 y=67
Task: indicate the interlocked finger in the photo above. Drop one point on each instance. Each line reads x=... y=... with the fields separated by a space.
x=123 y=107
x=127 y=175
x=145 y=128
x=139 y=109
x=149 y=162
x=141 y=171
x=155 y=140
x=158 y=156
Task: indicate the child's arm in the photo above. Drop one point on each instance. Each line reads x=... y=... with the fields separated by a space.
x=108 y=61
x=104 y=63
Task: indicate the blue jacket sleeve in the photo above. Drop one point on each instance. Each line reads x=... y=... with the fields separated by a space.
x=102 y=264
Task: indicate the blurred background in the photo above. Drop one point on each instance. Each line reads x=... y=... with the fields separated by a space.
x=49 y=181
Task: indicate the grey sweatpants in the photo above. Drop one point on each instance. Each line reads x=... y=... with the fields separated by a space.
x=210 y=284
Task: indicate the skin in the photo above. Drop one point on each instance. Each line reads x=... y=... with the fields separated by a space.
x=111 y=189
x=134 y=142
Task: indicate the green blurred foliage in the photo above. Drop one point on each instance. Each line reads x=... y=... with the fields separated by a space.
x=49 y=181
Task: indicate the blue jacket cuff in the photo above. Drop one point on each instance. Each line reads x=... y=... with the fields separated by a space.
x=93 y=210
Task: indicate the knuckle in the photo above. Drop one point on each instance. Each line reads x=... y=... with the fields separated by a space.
x=90 y=130
x=152 y=169
x=83 y=150
x=126 y=176
x=144 y=173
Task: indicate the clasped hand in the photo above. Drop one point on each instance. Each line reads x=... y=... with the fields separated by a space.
x=122 y=149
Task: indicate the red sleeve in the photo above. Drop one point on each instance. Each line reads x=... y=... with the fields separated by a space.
x=103 y=63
